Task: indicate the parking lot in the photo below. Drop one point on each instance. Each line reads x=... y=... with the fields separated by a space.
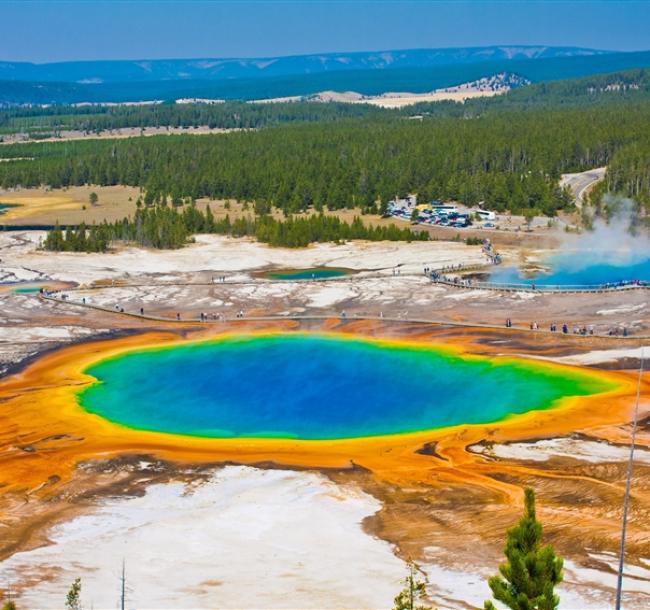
x=442 y=214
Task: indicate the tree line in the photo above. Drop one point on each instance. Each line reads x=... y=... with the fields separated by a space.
x=227 y=115
x=599 y=89
x=166 y=227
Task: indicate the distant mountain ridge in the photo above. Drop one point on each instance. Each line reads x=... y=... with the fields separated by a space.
x=148 y=70
x=454 y=67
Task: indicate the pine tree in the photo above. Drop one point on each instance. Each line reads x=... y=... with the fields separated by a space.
x=413 y=591
x=73 y=599
x=54 y=239
x=531 y=572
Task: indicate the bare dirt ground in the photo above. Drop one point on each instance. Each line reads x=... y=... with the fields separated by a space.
x=408 y=296
x=393 y=99
x=399 y=100
x=157 y=282
x=388 y=280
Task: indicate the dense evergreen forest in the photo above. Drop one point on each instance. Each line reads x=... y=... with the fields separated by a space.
x=163 y=227
x=511 y=160
x=37 y=121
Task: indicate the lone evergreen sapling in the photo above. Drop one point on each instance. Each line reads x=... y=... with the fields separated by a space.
x=528 y=578
x=413 y=592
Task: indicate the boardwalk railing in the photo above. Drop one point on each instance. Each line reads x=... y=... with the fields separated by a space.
x=64 y=300
x=440 y=276
x=564 y=288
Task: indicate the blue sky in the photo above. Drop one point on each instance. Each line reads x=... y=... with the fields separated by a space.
x=43 y=31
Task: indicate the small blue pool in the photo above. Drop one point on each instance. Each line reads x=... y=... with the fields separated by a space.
x=581 y=269
x=314 y=273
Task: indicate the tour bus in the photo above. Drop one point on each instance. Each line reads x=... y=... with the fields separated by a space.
x=443 y=208
x=486 y=215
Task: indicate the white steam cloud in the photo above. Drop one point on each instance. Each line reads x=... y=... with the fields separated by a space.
x=618 y=241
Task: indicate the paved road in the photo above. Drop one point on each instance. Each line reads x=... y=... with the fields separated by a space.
x=580 y=183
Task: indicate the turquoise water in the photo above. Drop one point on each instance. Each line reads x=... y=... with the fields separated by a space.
x=316 y=273
x=316 y=387
x=27 y=289
x=7 y=206
x=583 y=269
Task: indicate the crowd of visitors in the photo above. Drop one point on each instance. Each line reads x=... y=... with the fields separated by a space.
x=584 y=330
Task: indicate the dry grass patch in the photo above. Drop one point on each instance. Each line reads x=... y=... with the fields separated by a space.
x=68 y=206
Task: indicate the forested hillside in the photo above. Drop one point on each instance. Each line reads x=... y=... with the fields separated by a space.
x=512 y=160
x=602 y=89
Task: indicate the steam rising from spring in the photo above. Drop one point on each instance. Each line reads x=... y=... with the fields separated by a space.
x=617 y=240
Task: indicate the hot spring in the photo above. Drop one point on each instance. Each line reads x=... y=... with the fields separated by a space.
x=582 y=268
x=28 y=289
x=313 y=273
x=311 y=386
x=7 y=206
